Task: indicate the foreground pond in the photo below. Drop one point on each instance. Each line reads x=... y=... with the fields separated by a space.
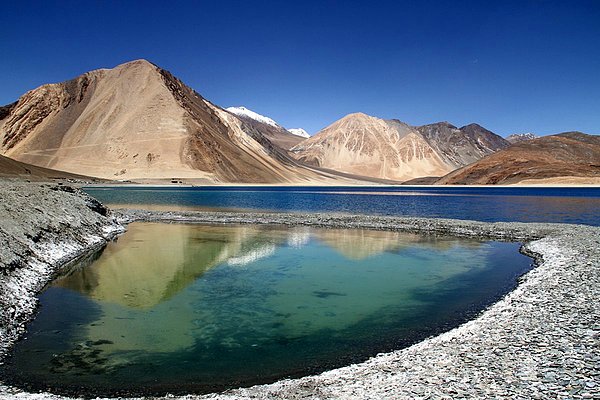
x=192 y=308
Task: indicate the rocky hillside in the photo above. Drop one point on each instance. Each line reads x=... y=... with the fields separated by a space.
x=137 y=121
x=10 y=168
x=571 y=157
x=390 y=149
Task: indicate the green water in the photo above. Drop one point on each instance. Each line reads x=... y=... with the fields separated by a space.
x=192 y=308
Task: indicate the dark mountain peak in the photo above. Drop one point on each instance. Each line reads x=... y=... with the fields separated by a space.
x=474 y=127
x=441 y=124
x=474 y=130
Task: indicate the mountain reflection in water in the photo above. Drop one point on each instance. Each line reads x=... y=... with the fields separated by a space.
x=174 y=306
x=147 y=266
x=152 y=263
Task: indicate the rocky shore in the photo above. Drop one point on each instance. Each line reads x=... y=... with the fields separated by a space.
x=42 y=228
x=541 y=341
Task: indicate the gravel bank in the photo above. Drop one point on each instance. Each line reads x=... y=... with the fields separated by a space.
x=42 y=227
x=541 y=341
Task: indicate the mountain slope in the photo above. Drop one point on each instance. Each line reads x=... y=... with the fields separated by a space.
x=461 y=146
x=390 y=149
x=270 y=129
x=137 y=121
x=10 y=168
x=562 y=157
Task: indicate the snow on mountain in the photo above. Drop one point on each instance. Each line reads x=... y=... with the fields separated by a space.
x=244 y=112
x=299 y=132
x=521 y=137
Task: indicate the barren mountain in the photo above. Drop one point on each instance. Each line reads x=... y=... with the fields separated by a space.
x=571 y=157
x=276 y=133
x=461 y=146
x=390 y=149
x=137 y=121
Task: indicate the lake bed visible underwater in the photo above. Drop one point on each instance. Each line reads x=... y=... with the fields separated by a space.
x=196 y=308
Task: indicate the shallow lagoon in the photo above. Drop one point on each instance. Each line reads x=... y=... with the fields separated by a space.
x=180 y=308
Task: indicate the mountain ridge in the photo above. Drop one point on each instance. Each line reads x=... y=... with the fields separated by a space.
x=367 y=145
x=565 y=157
x=138 y=121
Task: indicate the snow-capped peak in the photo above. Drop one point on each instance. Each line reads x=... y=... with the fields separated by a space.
x=244 y=112
x=521 y=137
x=299 y=132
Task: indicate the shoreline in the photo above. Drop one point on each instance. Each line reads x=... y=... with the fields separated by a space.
x=309 y=185
x=513 y=349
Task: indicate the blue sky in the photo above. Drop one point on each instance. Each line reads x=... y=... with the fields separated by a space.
x=522 y=66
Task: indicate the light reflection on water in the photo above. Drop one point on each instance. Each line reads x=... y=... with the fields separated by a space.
x=188 y=307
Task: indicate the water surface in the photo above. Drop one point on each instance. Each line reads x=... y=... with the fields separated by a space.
x=489 y=204
x=191 y=308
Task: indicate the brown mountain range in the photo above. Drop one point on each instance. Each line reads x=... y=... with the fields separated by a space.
x=390 y=149
x=571 y=157
x=137 y=121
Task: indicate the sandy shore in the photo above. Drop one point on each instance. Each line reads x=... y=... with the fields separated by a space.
x=541 y=341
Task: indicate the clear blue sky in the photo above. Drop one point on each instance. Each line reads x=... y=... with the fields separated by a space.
x=522 y=66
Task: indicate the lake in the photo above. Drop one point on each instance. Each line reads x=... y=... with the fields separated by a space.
x=489 y=204
x=178 y=308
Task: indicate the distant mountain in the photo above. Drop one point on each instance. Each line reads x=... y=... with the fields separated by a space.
x=520 y=137
x=299 y=132
x=571 y=157
x=137 y=121
x=244 y=112
x=276 y=133
x=390 y=149
x=461 y=146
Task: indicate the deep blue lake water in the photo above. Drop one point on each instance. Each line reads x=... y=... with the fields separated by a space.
x=491 y=204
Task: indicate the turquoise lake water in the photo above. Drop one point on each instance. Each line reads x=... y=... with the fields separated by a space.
x=176 y=308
